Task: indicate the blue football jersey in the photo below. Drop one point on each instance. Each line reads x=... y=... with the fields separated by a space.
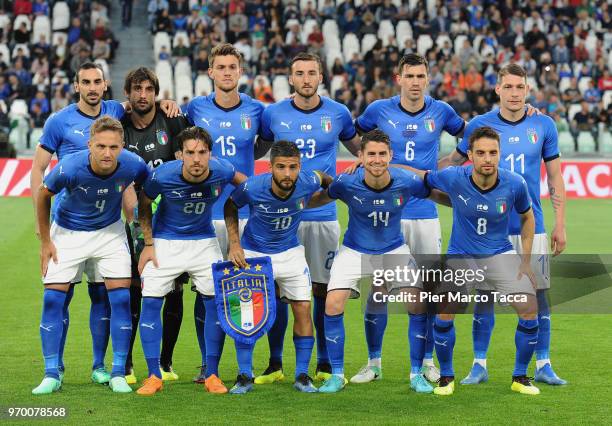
x=523 y=144
x=185 y=209
x=316 y=132
x=415 y=139
x=375 y=216
x=67 y=130
x=273 y=222
x=480 y=218
x=90 y=201
x=233 y=131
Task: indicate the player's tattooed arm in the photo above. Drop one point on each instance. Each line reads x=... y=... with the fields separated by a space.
x=238 y=178
x=128 y=203
x=453 y=159
x=43 y=210
x=42 y=158
x=261 y=147
x=556 y=188
x=145 y=215
x=235 y=251
x=440 y=197
x=319 y=198
x=527 y=233
x=353 y=145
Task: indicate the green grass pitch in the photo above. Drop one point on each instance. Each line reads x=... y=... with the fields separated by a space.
x=581 y=353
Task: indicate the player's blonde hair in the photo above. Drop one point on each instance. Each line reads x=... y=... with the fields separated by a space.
x=224 y=49
x=106 y=123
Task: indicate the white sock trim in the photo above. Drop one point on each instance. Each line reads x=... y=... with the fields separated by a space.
x=481 y=361
x=540 y=363
x=375 y=362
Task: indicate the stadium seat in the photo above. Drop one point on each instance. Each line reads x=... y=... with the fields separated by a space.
x=367 y=43
x=532 y=82
x=105 y=67
x=336 y=83
x=605 y=141
x=572 y=110
x=424 y=43
x=332 y=42
x=6 y=54
x=41 y=26
x=385 y=30
x=447 y=143
x=182 y=70
x=22 y=46
x=163 y=69
x=280 y=87
x=606 y=98
x=20 y=19
x=586 y=143
x=183 y=88
x=458 y=45
x=59 y=38
x=350 y=45
x=583 y=84
x=18 y=116
x=358 y=3
x=161 y=39
x=477 y=42
x=307 y=29
x=203 y=85
x=566 y=144
x=181 y=35
x=330 y=27
x=35 y=135
x=403 y=31
x=564 y=84
x=591 y=45
x=576 y=68
x=441 y=39
x=61 y=16
x=397 y=3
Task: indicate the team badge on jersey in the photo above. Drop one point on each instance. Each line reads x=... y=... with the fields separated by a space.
x=501 y=206
x=215 y=190
x=245 y=300
x=430 y=125
x=245 y=121
x=326 y=124
x=398 y=199
x=300 y=204
x=119 y=186
x=162 y=137
x=532 y=136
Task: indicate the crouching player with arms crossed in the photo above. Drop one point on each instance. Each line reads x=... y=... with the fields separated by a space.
x=87 y=225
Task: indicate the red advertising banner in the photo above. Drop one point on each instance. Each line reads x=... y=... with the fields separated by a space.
x=583 y=179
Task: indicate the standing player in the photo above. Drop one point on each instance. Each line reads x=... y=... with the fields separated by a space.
x=150 y=134
x=525 y=141
x=232 y=120
x=375 y=195
x=414 y=123
x=181 y=238
x=87 y=225
x=482 y=196
x=66 y=132
x=277 y=201
x=315 y=124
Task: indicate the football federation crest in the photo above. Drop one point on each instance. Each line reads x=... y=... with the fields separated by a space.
x=162 y=137
x=215 y=190
x=245 y=121
x=430 y=125
x=245 y=300
x=119 y=187
x=326 y=124
x=300 y=204
x=532 y=136
x=398 y=199
x=501 y=206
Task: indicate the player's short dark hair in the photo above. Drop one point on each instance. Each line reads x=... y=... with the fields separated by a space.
x=482 y=132
x=138 y=76
x=224 y=49
x=412 y=59
x=195 y=133
x=303 y=56
x=511 y=69
x=106 y=123
x=284 y=149
x=89 y=66
x=375 y=135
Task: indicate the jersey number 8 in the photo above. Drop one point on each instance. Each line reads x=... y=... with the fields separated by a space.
x=482 y=226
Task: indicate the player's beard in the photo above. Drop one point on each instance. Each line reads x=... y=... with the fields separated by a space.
x=226 y=89
x=282 y=183
x=196 y=175
x=306 y=95
x=142 y=111
x=91 y=102
x=484 y=172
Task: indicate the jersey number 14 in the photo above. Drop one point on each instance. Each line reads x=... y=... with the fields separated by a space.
x=380 y=217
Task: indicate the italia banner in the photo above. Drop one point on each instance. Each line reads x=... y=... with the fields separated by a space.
x=245 y=300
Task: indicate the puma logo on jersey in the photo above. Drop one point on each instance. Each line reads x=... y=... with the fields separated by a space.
x=179 y=194
x=465 y=200
x=134 y=147
x=151 y=326
x=207 y=121
x=82 y=188
x=361 y=200
x=265 y=208
x=394 y=124
x=80 y=132
x=282 y=123
x=61 y=170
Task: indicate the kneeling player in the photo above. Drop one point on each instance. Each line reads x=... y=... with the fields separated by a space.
x=482 y=196
x=88 y=225
x=277 y=201
x=375 y=195
x=182 y=239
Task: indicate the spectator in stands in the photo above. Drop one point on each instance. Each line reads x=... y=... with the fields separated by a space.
x=75 y=32
x=580 y=52
x=22 y=7
x=262 y=90
x=462 y=105
x=200 y=65
x=329 y=10
x=21 y=35
x=584 y=121
x=40 y=100
x=315 y=38
x=181 y=51
x=17 y=89
x=80 y=59
x=605 y=82
x=40 y=8
x=561 y=53
x=5 y=88
x=164 y=55
x=592 y=95
x=349 y=23
x=237 y=22
x=163 y=22
x=98 y=11
x=59 y=99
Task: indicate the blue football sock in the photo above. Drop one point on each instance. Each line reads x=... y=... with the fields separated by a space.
x=215 y=337
x=334 y=334
x=151 y=332
x=120 y=328
x=444 y=339
x=542 y=348
x=199 y=314
x=482 y=325
x=417 y=336
x=319 y=324
x=244 y=355
x=99 y=322
x=276 y=334
x=525 y=340
x=429 y=344
x=303 y=352
x=375 y=323
x=51 y=330
x=65 y=325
